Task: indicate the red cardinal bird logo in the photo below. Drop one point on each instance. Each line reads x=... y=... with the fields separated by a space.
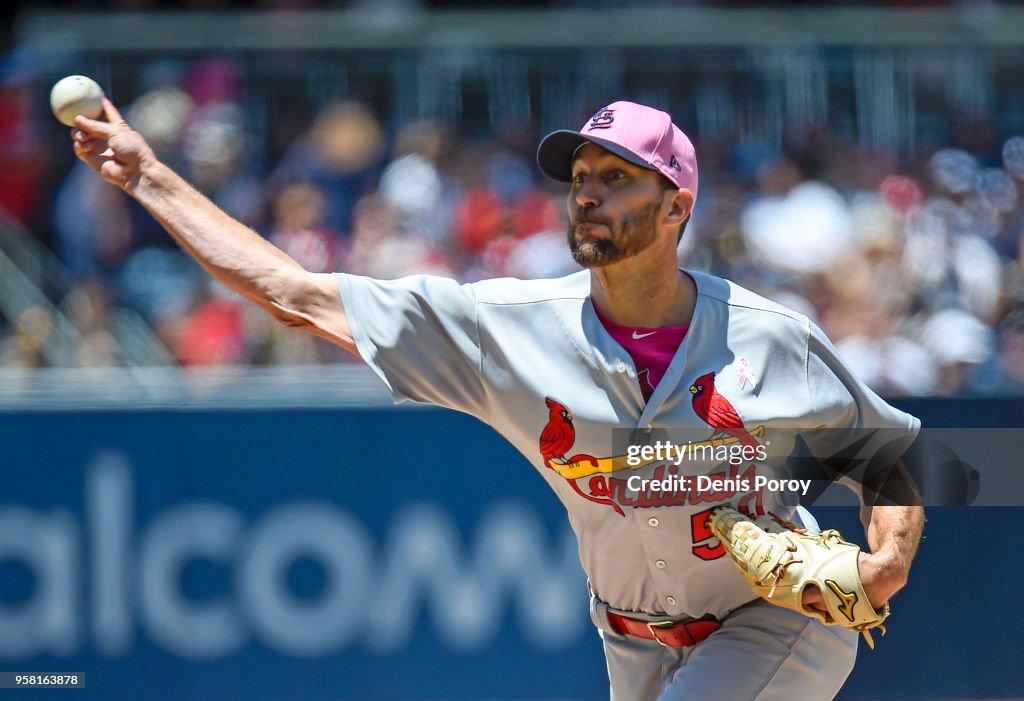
x=717 y=411
x=558 y=436
x=557 y=439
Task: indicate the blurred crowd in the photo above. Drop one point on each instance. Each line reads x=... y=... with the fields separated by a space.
x=912 y=266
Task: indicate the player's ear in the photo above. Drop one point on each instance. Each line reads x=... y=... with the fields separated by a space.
x=680 y=206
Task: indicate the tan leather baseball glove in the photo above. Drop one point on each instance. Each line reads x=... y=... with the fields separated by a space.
x=779 y=560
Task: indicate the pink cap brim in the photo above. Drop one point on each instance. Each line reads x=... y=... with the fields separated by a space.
x=556 y=151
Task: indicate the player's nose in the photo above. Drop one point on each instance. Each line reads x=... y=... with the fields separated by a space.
x=586 y=193
x=586 y=189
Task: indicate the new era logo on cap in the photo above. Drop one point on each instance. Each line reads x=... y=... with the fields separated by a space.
x=639 y=134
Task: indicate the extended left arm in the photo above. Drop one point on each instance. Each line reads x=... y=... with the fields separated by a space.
x=893 y=533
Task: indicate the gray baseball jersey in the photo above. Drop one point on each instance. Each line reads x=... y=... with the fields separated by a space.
x=531 y=359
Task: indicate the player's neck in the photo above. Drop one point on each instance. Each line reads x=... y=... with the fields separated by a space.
x=645 y=298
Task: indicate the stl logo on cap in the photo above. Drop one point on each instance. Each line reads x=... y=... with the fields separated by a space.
x=602 y=119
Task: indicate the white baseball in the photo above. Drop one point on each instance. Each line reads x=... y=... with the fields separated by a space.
x=73 y=95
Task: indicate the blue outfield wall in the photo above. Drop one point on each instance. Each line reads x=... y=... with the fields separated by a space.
x=385 y=554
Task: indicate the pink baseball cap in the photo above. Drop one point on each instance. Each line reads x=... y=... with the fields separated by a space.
x=639 y=134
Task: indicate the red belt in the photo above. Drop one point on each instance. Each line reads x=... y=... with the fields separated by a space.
x=684 y=633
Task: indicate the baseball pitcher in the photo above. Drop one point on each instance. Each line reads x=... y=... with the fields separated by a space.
x=645 y=395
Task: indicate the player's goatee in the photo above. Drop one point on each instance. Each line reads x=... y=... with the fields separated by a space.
x=628 y=235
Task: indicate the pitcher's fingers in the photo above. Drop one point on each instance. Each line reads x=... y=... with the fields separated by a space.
x=111 y=113
x=94 y=128
x=87 y=142
x=85 y=151
x=812 y=598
